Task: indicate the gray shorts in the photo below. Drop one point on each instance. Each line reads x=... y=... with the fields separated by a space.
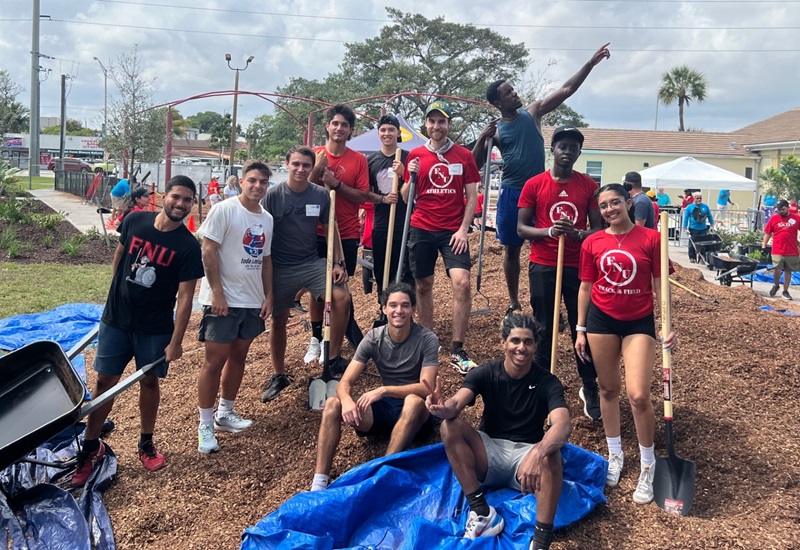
x=242 y=323
x=786 y=263
x=286 y=281
x=504 y=460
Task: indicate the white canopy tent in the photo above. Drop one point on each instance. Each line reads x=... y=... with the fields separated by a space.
x=688 y=172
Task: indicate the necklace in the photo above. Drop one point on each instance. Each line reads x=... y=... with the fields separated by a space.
x=620 y=241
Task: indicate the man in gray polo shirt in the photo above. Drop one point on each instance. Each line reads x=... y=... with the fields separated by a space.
x=407 y=357
x=296 y=207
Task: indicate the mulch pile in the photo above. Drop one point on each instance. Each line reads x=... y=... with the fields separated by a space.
x=736 y=415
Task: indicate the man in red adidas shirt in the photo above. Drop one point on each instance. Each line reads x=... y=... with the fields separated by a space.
x=560 y=201
x=783 y=227
x=344 y=171
x=440 y=222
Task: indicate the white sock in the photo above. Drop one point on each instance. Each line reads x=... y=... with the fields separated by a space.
x=320 y=482
x=647 y=454
x=206 y=415
x=614 y=445
x=225 y=405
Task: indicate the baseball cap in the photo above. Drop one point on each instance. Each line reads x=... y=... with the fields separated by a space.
x=651 y=194
x=140 y=192
x=440 y=106
x=391 y=119
x=567 y=131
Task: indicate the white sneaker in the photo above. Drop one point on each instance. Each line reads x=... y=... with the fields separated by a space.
x=615 y=462
x=230 y=421
x=644 y=489
x=484 y=526
x=206 y=440
x=314 y=351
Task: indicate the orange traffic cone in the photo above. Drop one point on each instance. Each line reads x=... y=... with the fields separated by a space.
x=190 y=224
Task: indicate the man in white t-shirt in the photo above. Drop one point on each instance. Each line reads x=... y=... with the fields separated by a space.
x=236 y=295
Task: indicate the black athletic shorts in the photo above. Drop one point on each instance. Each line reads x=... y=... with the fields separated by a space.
x=386 y=413
x=423 y=250
x=350 y=248
x=598 y=322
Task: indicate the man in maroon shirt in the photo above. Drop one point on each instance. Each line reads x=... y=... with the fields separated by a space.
x=560 y=201
x=783 y=227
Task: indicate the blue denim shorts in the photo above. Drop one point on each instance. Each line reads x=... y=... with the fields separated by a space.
x=116 y=347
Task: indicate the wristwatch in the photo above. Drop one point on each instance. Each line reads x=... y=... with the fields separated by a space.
x=340 y=263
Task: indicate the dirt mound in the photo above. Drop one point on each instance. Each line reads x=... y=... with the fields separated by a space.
x=735 y=384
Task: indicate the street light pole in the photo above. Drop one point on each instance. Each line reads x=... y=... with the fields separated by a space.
x=105 y=96
x=235 y=104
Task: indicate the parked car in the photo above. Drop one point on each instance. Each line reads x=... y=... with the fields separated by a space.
x=109 y=167
x=70 y=165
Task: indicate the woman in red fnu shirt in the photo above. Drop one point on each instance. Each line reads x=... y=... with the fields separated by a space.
x=620 y=269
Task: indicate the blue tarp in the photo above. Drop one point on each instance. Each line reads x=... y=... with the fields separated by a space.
x=65 y=324
x=784 y=311
x=762 y=276
x=412 y=500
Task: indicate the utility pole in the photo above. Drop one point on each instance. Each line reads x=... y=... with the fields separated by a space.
x=235 y=103
x=33 y=126
x=63 y=120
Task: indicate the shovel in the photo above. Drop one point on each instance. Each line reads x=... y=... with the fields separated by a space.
x=412 y=188
x=317 y=386
x=387 y=263
x=486 y=200
x=674 y=481
x=557 y=304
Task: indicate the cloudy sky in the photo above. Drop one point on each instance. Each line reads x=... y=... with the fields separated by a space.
x=748 y=50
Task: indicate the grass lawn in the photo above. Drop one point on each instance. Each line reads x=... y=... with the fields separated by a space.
x=39 y=182
x=31 y=288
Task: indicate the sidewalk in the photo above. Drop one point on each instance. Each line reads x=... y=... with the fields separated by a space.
x=82 y=216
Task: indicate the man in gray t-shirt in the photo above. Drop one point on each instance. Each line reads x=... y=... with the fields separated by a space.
x=643 y=211
x=297 y=207
x=407 y=357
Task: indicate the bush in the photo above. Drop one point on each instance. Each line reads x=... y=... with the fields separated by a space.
x=47 y=241
x=93 y=234
x=18 y=250
x=15 y=211
x=73 y=246
x=49 y=222
x=8 y=238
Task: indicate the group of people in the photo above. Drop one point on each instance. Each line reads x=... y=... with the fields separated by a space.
x=259 y=250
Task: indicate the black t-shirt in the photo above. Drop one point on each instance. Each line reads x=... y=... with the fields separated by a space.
x=515 y=409
x=153 y=264
x=380 y=182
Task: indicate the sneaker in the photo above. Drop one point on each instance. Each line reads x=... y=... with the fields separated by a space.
x=774 y=290
x=314 y=351
x=513 y=309
x=299 y=307
x=461 y=361
x=562 y=322
x=151 y=458
x=615 y=463
x=86 y=463
x=231 y=422
x=275 y=386
x=484 y=526
x=591 y=401
x=206 y=440
x=644 y=489
x=786 y=295
x=338 y=366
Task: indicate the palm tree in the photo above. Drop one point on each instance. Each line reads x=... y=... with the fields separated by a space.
x=682 y=84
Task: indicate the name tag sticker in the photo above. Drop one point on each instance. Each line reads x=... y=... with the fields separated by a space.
x=456 y=169
x=312 y=210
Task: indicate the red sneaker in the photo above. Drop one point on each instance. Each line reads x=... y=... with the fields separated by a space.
x=151 y=458
x=86 y=464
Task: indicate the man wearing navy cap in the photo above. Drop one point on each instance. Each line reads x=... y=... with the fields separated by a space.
x=560 y=201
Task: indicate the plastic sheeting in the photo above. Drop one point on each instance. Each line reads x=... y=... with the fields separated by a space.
x=412 y=500
x=65 y=324
x=37 y=514
x=779 y=310
x=765 y=276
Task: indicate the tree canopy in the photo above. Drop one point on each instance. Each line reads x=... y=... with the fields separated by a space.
x=783 y=182
x=74 y=128
x=203 y=121
x=682 y=84
x=13 y=115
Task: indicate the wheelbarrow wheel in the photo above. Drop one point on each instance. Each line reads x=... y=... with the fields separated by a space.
x=726 y=280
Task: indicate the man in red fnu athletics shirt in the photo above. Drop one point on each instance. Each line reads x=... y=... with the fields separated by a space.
x=344 y=171
x=560 y=200
x=783 y=227
x=440 y=222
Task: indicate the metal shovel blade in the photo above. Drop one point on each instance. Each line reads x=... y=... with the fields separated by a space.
x=673 y=484
x=317 y=390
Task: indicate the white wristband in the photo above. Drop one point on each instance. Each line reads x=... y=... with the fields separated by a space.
x=580 y=328
x=550 y=231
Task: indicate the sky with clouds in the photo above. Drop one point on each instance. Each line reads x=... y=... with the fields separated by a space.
x=748 y=50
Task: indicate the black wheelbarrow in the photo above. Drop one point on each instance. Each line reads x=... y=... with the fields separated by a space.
x=41 y=395
x=732 y=268
x=705 y=246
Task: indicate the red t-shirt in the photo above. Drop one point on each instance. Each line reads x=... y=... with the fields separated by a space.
x=784 y=234
x=551 y=201
x=621 y=268
x=440 y=187
x=368 y=224
x=351 y=169
x=213 y=187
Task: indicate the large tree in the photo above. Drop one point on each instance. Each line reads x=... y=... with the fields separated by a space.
x=784 y=181
x=135 y=129
x=682 y=84
x=13 y=115
x=204 y=121
x=74 y=128
x=268 y=137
